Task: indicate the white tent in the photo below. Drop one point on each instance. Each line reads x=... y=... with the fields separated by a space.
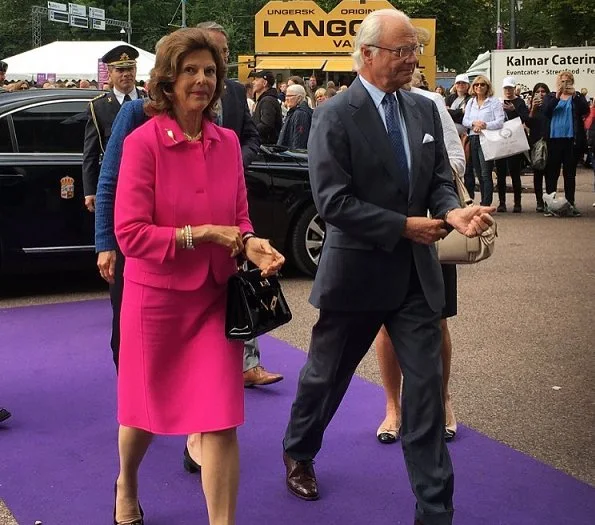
x=70 y=61
x=481 y=66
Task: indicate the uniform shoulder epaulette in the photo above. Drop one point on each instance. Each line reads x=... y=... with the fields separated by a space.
x=98 y=97
x=94 y=118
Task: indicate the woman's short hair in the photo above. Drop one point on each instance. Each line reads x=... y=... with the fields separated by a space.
x=296 y=89
x=320 y=92
x=172 y=51
x=565 y=74
x=485 y=80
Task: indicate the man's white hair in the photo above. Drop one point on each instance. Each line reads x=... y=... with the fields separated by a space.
x=370 y=32
x=296 y=89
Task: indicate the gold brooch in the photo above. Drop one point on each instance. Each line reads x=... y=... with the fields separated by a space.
x=171 y=135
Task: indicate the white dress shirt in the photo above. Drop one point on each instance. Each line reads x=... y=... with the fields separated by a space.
x=120 y=96
x=492 y=113
x=452 y=142
x=377 y=96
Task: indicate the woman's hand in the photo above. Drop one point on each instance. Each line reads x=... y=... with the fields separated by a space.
x=227 y=236
x=478 y=125
x=262 y=254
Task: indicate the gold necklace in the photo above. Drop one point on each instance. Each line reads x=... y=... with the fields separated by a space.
x=191 y=138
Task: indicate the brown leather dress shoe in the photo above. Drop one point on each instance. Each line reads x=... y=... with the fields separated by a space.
x=258 y=376
x=301 y=479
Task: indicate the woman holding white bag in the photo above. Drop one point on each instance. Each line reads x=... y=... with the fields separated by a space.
x=484 y=111
x=514 y=107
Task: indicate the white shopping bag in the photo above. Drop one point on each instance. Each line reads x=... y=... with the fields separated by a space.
x=506 y=142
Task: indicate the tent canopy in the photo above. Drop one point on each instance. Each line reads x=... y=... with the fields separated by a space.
x=70 y=61
x=481 y=66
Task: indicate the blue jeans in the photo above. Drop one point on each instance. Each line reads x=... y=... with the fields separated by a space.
x=483 y=170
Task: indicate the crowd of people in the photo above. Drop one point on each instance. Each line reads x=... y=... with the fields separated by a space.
x=561 y=118
x=164 y=176
x=286 y=122
x=23 y=85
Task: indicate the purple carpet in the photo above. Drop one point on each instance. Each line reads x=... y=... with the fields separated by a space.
x=58 y=452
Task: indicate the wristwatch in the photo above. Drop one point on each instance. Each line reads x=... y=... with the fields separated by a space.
x=446 y=214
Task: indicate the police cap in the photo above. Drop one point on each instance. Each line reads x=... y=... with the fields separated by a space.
x=122 y=56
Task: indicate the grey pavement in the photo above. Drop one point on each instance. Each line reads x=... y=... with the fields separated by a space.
x=523 y=366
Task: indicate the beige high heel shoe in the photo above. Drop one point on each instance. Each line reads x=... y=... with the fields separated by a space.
x=450 y=428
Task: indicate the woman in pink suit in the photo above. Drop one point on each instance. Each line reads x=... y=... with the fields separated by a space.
x=181 y=219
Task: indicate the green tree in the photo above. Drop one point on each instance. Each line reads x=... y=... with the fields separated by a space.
x=465 y=28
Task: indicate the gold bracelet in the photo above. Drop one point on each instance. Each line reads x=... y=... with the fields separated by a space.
x=189 y=240
x=181 y=238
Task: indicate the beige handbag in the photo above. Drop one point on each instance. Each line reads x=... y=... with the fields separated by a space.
x=457 y=248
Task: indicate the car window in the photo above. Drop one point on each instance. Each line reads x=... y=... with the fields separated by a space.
x=51 y=128
x=5 y=143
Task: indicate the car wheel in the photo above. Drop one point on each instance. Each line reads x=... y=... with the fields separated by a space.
x=306 y=241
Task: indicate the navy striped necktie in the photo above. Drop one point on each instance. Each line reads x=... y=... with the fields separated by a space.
x=395 y=135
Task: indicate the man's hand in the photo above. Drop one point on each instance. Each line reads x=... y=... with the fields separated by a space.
x=90 y=203
x=424 y=230
x=106 y=262
x=471 y=221
x=262 y=254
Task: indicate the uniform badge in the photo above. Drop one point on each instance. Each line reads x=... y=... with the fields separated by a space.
x=109 y=99
x=67 y=188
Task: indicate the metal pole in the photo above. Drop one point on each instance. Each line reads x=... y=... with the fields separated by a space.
x=129 y=23
x=499 y=36
x=183 y=13
x=512 y=25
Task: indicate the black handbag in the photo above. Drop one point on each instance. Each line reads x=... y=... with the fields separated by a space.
x=255 y=305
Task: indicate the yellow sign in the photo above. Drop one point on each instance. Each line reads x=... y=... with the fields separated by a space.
x=427 y=66
x=302 y=26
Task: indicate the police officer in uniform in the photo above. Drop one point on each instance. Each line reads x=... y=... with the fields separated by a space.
x=121 y=63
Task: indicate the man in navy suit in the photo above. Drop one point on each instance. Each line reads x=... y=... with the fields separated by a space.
x=377 y=166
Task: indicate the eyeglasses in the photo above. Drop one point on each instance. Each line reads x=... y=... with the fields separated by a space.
x=480 y=84
x=399 y=52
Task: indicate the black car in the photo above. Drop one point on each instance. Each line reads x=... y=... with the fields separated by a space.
x=44 y=224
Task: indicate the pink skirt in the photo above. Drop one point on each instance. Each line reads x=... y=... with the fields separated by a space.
x=178 y=373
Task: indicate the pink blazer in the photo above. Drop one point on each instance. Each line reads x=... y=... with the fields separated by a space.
x=166 y=182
